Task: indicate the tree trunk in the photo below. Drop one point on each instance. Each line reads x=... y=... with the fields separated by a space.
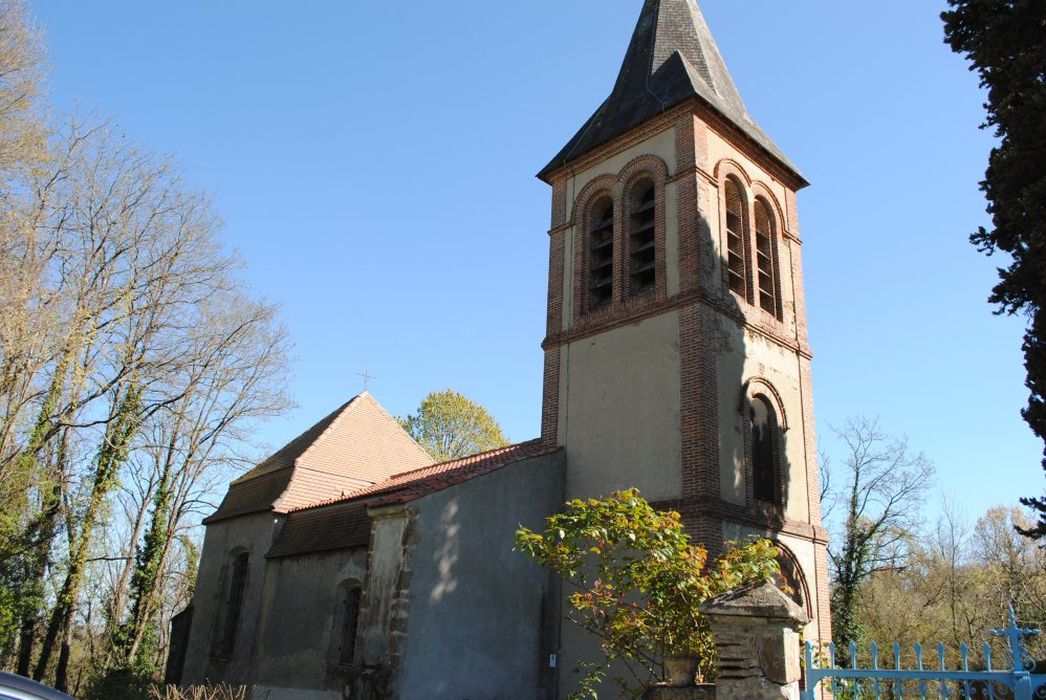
x=61 y=674
x=151 y=558
x=111 y=455
x=114 y=615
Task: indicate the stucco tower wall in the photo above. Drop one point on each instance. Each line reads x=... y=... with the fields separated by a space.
x=654 y=392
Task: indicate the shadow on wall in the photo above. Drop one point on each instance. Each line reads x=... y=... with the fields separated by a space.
x=446 y=555
x=744 y=287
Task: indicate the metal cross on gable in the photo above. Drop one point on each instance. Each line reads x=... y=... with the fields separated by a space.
x=1014 y=636
x=367 y=376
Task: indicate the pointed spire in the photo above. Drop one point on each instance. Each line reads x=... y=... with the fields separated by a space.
x=664 y=28
x=671 y=58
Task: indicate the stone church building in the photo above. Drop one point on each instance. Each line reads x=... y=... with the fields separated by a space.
x=347 y=564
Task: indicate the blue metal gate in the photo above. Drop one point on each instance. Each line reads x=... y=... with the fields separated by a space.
x=929 y=678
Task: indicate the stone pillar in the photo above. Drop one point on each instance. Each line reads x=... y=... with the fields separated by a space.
x=756 y=630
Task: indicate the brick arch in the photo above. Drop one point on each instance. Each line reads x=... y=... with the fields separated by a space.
x=760 y=386
x=761 y=191
x=593 y=187
x=649 y=164
x=729 y=166
x=797 y=576
x=646 y=167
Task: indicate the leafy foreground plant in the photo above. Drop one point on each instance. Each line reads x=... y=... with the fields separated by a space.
x=637 y=583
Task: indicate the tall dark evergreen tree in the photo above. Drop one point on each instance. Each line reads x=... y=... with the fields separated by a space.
x=1005 y=41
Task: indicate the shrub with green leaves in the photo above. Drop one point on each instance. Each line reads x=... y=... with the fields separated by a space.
x=636 y=581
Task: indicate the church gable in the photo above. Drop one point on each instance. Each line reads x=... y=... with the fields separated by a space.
x=357 y=445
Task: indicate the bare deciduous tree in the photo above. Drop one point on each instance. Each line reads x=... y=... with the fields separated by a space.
x=879 y=490
x=152 y=337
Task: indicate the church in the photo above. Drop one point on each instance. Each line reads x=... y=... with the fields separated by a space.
x=676 y=361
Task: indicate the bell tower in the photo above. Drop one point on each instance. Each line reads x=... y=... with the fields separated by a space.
x=676 y=353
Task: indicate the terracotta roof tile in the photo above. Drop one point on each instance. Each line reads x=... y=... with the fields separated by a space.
x=357 y=445
x=254 y=496
x=408 y=486
x=366 y=442
x=339 y=526
x=284 y=457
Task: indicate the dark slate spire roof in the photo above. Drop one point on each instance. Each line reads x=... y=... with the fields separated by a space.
x=671 y=58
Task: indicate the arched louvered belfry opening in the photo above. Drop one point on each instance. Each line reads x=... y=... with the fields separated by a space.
x=642 y=246
x=766 y=258
x=601 y=252
x=736 y=238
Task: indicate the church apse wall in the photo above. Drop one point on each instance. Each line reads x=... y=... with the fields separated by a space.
x=296 y=650
x=221 y=648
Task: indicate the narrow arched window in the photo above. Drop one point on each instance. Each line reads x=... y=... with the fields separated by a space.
x=736 y=239
x=345 y=623
x=642 y=272
x=764 y=257
x=764 y=458
x=601 y=252
x=238 y=570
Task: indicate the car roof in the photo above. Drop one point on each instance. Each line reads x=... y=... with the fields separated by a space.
x=21 y=688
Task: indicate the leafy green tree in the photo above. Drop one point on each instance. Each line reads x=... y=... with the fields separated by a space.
x=637 y=583
x=1005 y=42
x=450 y=426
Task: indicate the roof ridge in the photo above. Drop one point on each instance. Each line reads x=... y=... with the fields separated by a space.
x=392 y=419
x=333 y=416
x=462 y=459
x=396 y=481
x=341 y=412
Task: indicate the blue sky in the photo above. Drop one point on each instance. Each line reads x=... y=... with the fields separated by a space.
x=374 y=163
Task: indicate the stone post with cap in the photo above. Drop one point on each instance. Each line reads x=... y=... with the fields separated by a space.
x=756 y=630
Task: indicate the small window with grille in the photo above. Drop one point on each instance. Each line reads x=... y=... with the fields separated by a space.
x=346 y=621
x=736 y=240
x=233 y=604
x=764 y=255
x=642 y=248
x=601 y=253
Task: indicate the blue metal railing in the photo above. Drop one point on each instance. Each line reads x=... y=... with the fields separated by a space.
x=936 y=681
